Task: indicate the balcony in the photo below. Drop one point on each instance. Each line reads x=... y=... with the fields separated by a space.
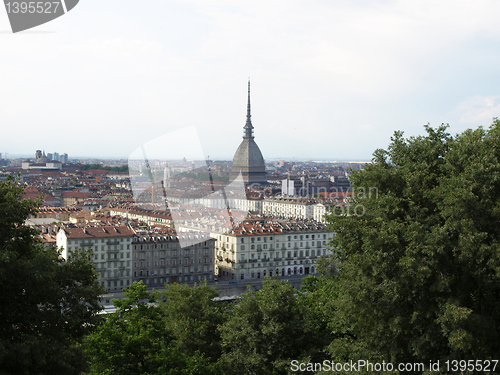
x=112 y=242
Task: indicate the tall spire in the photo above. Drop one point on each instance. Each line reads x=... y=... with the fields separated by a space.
x=248 y=125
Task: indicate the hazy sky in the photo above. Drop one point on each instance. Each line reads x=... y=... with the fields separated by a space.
x=331 y=80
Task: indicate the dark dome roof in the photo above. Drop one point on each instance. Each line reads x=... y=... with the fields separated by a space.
x=248 y=155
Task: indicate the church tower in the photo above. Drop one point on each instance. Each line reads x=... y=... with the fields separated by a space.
x=248 y=159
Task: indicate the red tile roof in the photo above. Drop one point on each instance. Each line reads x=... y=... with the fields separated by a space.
x=99 y=231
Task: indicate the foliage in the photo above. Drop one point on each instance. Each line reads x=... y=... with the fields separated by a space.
x=131 y=340
x=266 y=331
x=47 y=304
x=86 y=167
x=418 y=273
x=135 y=340
x=193 y=318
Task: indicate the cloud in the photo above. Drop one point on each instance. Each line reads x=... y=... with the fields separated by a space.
x=479 y=110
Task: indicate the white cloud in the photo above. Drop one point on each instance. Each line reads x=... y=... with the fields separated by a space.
x=479 y=110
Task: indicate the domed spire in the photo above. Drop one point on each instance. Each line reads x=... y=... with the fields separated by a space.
x=248 y=160
x=248 y=125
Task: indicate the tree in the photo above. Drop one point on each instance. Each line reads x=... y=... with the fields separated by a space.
x=131 y=340
x=419 y=273
x=47 y=304
x=265 y=331
x=134 y=340
x=192 y=317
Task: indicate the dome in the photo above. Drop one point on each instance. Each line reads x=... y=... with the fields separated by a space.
x=248 y=155
x=248 y=159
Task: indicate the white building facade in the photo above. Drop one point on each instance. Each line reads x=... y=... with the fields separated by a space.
x=257 y=250
x=111 y=247
x=289 y=207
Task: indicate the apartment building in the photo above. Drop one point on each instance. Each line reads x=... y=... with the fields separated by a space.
x=256 y=250
x=289 y=207
x=158 y=258
x=112 y=251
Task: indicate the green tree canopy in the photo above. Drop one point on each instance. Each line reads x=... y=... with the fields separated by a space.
x=135 y=339
x=265 y=331
x=47 y=304
x=419 y=272
x=132 y=340
x=193 y=318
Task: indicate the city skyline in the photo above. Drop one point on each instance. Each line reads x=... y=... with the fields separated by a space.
x=330 y=81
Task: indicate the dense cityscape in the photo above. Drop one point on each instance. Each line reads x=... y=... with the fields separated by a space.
x=180 y=266
x=86 y=204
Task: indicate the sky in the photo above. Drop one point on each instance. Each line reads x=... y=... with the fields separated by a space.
x=330 y=80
